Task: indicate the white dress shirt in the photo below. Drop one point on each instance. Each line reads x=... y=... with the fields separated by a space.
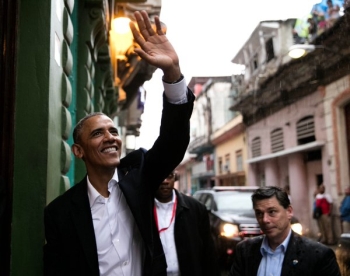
x=176 y=93
x=119 y=244
x=166 y=221
x=272 y=260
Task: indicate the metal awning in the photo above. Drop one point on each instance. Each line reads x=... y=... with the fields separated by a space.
x=301 y=148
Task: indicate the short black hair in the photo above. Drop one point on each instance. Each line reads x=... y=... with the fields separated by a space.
x=271 y=191
x=80 y=124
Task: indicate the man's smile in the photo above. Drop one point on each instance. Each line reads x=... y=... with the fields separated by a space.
x=110 y=149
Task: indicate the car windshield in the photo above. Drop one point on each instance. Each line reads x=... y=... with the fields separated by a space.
x=234 y=201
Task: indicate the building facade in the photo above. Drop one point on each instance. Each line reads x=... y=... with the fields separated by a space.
x=296 y=117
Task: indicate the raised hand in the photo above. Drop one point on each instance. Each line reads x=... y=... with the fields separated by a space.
x=155 y=46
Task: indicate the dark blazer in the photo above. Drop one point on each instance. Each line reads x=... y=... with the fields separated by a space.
x=304 y=257
x=194 y=244
x=70 y=247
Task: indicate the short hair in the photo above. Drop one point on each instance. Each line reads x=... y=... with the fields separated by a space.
x=79 y=126
x=270 y=191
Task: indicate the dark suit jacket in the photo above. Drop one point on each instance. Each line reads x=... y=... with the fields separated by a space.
x=304 y=257
x=70 y=247
x=194 y=244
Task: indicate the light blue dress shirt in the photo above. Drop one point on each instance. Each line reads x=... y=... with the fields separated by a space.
x=271 y=262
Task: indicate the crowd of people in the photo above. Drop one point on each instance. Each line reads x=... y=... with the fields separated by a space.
x=320 y=18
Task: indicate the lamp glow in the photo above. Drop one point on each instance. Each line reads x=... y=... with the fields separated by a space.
x=300 y=50
x=120 y=25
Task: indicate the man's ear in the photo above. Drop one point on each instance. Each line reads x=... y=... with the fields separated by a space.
x=77 y=151
x=290 y=212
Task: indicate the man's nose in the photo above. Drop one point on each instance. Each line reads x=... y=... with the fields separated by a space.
x=109 y=136
x=266 y=217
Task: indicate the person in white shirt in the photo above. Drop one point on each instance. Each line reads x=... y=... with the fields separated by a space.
x=104 y=225
x=325 y=202
x=183 y=226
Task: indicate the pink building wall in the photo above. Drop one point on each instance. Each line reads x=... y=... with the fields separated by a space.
x=291 y=168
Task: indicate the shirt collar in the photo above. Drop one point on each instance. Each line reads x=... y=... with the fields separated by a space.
x=93 y=194
x=158 y=203
x=265 y=248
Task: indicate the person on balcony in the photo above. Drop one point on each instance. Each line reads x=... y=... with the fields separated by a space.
x=104 y=225
x=333 y=12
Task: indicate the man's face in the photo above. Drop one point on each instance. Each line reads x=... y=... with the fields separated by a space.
x=99 y=144
x=165 y=190
x=321 y=189
x=273 y=219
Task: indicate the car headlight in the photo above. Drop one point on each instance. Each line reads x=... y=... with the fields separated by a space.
x=229 y=230
x=297 y=228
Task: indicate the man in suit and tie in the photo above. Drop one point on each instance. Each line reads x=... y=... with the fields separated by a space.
x=280 y=251
x=104 y=224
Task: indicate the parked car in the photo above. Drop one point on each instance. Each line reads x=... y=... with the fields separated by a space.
x=232 y=218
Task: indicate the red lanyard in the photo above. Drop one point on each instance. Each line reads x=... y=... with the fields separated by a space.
x=172 y=216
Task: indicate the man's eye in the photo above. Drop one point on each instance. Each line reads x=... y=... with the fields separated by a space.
x=115 y=132
x=258 y=214
x=96 y=133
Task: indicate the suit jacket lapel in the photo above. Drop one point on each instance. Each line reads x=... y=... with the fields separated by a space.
x=82 y=220
x=181 y=205
x=137 y=195
x=254 y=257
x=292 y=257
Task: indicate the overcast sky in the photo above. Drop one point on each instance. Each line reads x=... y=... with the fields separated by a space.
x=207 y=35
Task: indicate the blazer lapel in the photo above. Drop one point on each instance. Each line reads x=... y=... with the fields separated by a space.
x=254 y=257
x=82 y=220
x=181 y=205
x=292 y=257
x=138 y=195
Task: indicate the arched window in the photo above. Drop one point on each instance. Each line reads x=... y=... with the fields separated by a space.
x=276 y=137
x=306 y=130
x=256 y=147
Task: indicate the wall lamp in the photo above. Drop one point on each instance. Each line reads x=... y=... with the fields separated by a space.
x=120 y=34
x=299 y=50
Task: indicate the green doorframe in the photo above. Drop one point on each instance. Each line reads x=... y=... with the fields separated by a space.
x=31 y=136
x=8 y=30
x=73 y=81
